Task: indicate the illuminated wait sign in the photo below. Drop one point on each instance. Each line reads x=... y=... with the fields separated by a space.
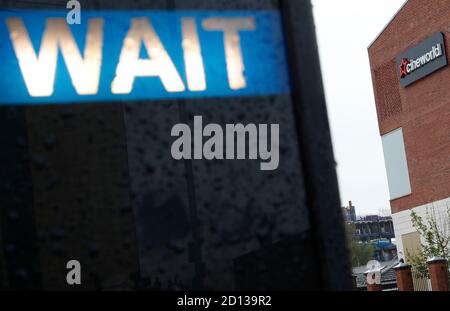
x=140 y=55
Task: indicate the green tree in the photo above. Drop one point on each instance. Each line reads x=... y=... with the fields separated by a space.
x=360 y=252
x=435 y=231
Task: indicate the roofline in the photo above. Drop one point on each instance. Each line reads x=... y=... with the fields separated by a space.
x=387 y=25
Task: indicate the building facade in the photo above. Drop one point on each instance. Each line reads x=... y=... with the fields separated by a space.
x=349 y=212
x=374 y=227
x=411 y=80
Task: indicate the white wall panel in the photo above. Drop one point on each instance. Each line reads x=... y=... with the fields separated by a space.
x=396 y=164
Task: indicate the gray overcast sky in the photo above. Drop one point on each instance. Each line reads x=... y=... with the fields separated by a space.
x=345 y=28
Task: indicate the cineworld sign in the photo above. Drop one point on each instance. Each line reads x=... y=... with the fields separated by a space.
x=422 y=60
x=139 y=55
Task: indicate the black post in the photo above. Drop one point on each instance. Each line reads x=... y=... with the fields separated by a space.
x=319 y=166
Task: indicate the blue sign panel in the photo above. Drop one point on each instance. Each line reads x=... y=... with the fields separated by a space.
x=139 y=55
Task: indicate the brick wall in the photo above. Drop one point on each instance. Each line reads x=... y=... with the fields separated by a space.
x=421 y=109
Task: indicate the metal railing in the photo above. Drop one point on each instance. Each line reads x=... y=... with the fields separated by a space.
x=421 y=284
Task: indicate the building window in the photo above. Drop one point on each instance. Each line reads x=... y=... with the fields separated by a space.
x=396 y=164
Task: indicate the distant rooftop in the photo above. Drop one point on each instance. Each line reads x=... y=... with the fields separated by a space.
x=388 y=277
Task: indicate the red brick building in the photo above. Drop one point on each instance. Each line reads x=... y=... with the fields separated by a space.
x=411 y=81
